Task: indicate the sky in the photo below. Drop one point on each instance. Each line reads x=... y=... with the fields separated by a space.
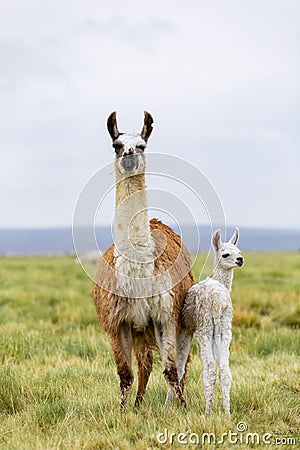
x=221 y=79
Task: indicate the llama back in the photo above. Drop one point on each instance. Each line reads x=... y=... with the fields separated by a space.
x=204 y=305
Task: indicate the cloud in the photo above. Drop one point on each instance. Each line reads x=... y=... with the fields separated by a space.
x=145 y=34
x=222 y=81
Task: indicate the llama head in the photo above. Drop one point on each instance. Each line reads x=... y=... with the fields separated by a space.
x=227 y=254
x=129 y=148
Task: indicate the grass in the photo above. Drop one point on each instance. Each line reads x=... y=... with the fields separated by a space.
x=58 y=382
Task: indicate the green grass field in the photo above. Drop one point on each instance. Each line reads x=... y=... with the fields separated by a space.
x=58 y=382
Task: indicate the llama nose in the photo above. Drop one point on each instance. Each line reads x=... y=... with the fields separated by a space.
x=129 y=162
x=240 y=261
x=128 y=152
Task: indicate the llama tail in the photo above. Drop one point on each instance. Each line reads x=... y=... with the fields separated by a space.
x=189 y=312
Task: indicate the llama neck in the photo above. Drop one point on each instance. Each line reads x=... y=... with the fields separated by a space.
x=224 y=277
x=132 y=229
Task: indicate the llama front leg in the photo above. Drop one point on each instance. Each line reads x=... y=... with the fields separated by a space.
x=184 y=340
x=225 y=382
x=205 y=342
x=122 y=346
x=166 y=339
x=223 y=360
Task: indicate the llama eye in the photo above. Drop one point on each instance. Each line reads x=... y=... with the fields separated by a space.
x=117 y=147
x=225 y=255
x=141 y=147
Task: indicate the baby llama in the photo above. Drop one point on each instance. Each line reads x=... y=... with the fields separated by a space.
x=143 y=278
x=207 y=313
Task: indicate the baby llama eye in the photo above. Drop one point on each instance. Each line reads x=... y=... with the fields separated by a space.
x=225 y=255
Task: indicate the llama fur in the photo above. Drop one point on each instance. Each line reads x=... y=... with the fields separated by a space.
x=207 y=314
x=143 y=277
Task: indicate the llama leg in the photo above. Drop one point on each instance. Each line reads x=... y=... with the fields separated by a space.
x=223 y=360
x=122 y=346
x=221 y=349
x=182 y=381
x=166 y=340
x=217 y=343
x=184 y=340
x=205 y=343
x=144 y=358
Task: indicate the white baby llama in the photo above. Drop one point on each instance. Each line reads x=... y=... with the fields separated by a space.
x=207 y=313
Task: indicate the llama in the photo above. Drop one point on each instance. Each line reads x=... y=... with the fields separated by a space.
x=143 y=277
x=207 y=313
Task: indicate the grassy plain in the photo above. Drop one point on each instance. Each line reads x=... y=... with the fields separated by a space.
x=58 y=382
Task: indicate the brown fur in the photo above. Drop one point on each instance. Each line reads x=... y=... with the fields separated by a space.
x=112 y=309
x=171 y=254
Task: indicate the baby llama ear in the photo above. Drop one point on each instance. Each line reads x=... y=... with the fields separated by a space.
x=112 y=126
x=235 y=237
x=147 y=127
x=216 y=240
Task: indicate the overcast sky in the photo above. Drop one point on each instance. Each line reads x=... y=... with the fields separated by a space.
x=221 y=78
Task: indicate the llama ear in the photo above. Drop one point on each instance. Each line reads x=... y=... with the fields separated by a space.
x=147 y=127
x=112 y=126
x=235 y=237
x=216 y=239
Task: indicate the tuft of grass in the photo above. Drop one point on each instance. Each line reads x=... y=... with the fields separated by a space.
x=292 y=319
x=51 y=413
x=11 y=392
x=58 y=383
x=245 y=317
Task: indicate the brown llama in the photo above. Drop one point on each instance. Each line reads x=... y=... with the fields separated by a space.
x=143 y=277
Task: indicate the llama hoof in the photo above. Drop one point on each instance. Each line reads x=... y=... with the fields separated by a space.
x=184 y=404
x=123 y=398
x=182 y=401
x=138 y=401
x=168 y=402
x=180 y=398
x=228 y=417
x=207 y=414
x=229 y=423
x=169 y=397
x=122 y=407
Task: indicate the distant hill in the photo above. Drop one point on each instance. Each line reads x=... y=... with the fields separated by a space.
x=59 y=240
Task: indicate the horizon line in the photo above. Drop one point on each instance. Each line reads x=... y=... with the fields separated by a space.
x=70 y=227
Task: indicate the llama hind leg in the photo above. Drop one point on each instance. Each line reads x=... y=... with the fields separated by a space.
x=184 y=341
x=205 y=343
x=144 y=357
x=166 y=340
x=122 y=346
x=225 y=382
